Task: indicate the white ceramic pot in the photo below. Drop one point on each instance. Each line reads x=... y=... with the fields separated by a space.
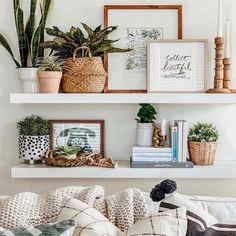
x=29 y=80
x=144 y=134
x=33 y=148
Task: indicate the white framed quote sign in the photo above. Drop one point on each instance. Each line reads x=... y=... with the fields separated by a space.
x=176 y=66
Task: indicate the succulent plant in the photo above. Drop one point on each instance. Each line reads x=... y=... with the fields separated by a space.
x=203 y=132
x=146 y=113
x=64 y=44
x=50 y=64
x=68 y=150
x=33 y=126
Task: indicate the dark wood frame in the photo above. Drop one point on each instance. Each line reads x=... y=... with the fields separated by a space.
x=138 y=7
x=99 y=122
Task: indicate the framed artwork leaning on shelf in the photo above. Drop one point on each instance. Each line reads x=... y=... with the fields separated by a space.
x=87 y=134
x=176 y=66
x=136 y=25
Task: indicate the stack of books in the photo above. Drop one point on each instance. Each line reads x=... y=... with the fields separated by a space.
x=150 y=157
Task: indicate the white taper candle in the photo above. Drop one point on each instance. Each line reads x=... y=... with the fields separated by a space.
x=220 y=18
x=227 y=39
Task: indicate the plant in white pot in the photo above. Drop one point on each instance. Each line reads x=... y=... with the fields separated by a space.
x=202 y=143
x=50 y=74
x=33 y=138
x=29 y=38
x=146 y=117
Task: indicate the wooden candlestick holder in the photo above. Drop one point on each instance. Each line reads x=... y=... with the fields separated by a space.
x=219 y=76
x=227 y=75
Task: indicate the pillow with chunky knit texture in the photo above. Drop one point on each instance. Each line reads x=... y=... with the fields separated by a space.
x=65 y=228
x=89 y=222
x=26 y=209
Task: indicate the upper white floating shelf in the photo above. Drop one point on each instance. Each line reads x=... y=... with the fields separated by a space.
x=119 y=98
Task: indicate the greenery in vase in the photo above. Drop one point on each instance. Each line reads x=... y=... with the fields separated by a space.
x=64 y=44
x=146 y=114
x=33 y=126
x=203 y=132
x=30 y=35
x=50 y=64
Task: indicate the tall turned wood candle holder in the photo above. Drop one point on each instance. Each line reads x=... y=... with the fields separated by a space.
x=219 y=75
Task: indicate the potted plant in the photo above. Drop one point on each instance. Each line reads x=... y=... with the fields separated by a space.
x=49 y=74
x=146 y=117
x=29 y=38
x=83 y=53
x=202 y=143
x=33 y=138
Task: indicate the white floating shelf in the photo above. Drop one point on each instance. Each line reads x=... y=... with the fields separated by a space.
x=221 y=170
x=131 y=98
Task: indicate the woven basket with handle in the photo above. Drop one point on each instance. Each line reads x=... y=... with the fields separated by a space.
x=85 y=74
x=202 y=153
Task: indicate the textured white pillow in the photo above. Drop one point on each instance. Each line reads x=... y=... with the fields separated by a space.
x=89 y=222
x=169 y=223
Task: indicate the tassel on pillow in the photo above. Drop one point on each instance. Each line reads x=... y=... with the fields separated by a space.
x=160 y=190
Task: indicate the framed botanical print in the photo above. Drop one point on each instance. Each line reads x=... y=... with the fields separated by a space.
x=137 y=24
x=87 y=134
x=176 y=66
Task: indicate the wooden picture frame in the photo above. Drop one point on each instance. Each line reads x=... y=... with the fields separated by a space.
x=85 y=130
x=177 y=65
x=108 y=9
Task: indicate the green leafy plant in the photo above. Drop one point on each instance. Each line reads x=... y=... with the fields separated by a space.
x=68 y=150
x=203 y=132
x=33 y=126
x=29 y=36
x=146 y=114
x=50 y=64
x=64 y=44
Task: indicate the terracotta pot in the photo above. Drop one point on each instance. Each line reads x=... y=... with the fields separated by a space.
x=49 y=81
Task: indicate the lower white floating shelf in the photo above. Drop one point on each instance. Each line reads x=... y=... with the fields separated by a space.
x=221 y=170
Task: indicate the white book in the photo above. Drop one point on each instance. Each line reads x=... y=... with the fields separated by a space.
x=185 y=138
x=147 y=159
x=151 y=149
x=179 y=125
x=151 y=154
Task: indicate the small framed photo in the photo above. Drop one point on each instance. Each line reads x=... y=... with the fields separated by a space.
x=176 y=66
x=127 y=72
x=88 y=134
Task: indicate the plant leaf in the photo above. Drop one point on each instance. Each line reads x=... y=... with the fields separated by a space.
x=5 y=44
x=35 y=44
x=88 y=30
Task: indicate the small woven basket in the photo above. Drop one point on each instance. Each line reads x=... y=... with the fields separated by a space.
x=202 y=153
x=85 y=74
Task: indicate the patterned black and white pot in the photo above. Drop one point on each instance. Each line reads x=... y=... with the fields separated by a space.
x=33 y=148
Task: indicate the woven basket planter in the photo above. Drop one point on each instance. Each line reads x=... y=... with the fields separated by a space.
x=202 y=153
x=85 y=75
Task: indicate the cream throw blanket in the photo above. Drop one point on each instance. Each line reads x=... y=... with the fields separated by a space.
x=122 y=209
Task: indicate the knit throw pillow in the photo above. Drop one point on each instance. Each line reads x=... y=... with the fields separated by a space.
x=27 y=208
x=89 y=222
x=200 y=222
x=173 y=222
x=64 y=228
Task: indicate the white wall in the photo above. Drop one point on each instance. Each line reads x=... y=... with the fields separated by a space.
x=199 y=21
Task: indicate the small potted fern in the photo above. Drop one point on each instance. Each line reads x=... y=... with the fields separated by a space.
x=49 y=74
x=146 y=117
x=202 y=143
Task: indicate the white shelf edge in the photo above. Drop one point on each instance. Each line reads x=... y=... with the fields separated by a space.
x=221 y=170
x=131 y=98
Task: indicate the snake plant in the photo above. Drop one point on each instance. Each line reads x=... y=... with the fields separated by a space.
x=64 y=44
x=30 y=35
